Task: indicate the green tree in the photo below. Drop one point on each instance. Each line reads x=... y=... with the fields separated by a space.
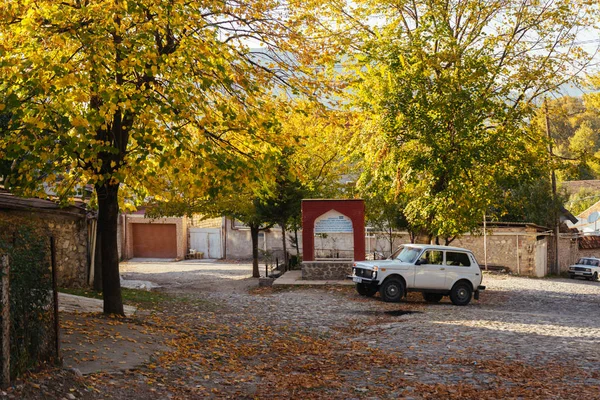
x=104 y=92
x=574 y=128
x=582 y=200
x=448 y=92
x=386 y=217
x=280 y=201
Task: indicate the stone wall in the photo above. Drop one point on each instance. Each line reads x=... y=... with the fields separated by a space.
x=512 y=250
x=71 y=238
x=569 y=252
x=502 y=249
x=198 y=222
x=326 y=270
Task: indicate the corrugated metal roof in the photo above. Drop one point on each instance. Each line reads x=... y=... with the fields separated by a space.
x=9 y=201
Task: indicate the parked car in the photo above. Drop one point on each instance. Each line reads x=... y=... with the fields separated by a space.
x=436 y=271
x=585 y=267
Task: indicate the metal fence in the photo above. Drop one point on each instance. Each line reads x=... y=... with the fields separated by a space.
x=28 y=294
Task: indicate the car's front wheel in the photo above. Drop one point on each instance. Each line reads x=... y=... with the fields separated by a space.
x=461 y=294
x=392 y=290
x=432 y=297
x=366 y=290
x=594 y=277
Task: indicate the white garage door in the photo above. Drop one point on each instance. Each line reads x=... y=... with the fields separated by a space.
x=206 y=240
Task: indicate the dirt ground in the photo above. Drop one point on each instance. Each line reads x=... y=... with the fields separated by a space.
x=225 y=338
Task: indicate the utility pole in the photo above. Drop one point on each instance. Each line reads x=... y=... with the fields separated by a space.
x=555 y=267
x=485 y=243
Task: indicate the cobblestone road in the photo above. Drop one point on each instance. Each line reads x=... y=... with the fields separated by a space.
x=521 y=322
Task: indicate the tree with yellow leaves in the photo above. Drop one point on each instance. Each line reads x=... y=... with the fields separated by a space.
x=109 y=92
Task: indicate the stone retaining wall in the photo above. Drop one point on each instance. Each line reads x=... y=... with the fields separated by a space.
x=70 y=234
x=326 y=270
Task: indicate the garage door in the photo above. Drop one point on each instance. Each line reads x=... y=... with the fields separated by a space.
x=206 y=240
x=154 y=240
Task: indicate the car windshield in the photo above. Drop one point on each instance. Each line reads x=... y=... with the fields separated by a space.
x=588 y=261
x=406 y=254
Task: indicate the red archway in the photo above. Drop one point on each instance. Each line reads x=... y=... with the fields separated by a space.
x=313 y=209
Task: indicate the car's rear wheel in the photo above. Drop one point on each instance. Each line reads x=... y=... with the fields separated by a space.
x=366 y=290
x=432 y=297
x=461 y=294
x=392 y=290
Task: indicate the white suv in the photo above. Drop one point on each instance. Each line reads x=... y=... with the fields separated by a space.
x=436 y=271
x=585 y=267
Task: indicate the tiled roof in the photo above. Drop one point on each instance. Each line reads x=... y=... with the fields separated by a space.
x=589 y=242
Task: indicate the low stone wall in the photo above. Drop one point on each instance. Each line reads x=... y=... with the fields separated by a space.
x=70 y=234
x=326 y=270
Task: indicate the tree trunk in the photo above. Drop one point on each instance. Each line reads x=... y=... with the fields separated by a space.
x=285 y=259
x=412 y=236
x=449 y=240
x=297 y=243
x=108 y=214
x=391 y=238
x=254 y=235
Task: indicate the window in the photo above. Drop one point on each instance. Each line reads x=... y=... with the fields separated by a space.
x=457 y=259
x=406 y=254
x=432 y=257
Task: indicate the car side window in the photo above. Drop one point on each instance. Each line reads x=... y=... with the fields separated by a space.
x=457 y=259
x=431 y=257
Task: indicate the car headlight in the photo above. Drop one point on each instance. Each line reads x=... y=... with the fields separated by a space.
x=587 y=270
x=353 y=271
x=571 y=268
x=373 y=274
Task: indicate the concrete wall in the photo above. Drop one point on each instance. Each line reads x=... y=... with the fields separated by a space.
x=180 y=227
x=70 y=235
x=239 y=243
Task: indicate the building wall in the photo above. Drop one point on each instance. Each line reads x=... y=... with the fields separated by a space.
x=569 y=252
x=70 y=234
x=239 y=243
x=181 y=232
x=198 y=222
x=507 y=249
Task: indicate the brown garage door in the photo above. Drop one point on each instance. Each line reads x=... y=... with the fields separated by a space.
x=154 y=240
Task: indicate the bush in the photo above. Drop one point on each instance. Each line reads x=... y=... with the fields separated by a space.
x=32 y=318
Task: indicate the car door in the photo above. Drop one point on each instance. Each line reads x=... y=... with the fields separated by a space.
x=458 y=265
x=430 y=272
